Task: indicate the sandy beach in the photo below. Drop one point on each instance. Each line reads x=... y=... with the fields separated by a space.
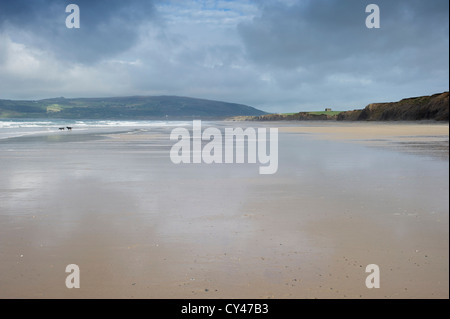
x=346 y=195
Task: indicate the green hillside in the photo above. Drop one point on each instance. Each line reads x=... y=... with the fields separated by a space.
x=134 y=107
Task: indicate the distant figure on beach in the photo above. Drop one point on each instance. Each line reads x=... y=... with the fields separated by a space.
x=69 y=128
x=61 y=129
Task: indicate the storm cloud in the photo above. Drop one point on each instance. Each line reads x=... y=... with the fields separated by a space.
x=108 y=27
x=325 y=44
x=277 y=55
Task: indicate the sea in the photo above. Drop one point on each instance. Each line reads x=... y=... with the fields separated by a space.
x=13 y=128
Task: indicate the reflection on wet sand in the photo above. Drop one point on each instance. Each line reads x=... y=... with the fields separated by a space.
x=140 y=226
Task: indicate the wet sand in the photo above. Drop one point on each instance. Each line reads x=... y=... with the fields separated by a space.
x=426 y=137
x=138 y=226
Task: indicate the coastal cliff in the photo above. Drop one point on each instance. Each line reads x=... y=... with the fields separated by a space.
x=434 y=107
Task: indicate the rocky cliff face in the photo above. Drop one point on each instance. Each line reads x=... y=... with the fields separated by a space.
x=434 y=107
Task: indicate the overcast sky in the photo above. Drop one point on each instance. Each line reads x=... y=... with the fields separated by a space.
x=276 y=55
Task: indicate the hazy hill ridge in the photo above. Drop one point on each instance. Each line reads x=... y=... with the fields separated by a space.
x=133 y=107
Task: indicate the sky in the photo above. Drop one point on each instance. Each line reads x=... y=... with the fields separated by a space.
x=275 y=55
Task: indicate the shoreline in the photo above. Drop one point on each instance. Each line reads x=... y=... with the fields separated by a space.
x=140 y=226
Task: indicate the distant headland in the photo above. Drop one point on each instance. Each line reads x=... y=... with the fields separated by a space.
x=125 y=108
x=433 y=107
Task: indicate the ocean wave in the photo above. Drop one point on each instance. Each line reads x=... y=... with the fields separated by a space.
x=87 y=123
x=17 y=128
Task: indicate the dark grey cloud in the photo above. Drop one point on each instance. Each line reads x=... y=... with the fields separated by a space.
x=318 y=31
x=278 y=55
x=327 y=40
x=107 y=27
